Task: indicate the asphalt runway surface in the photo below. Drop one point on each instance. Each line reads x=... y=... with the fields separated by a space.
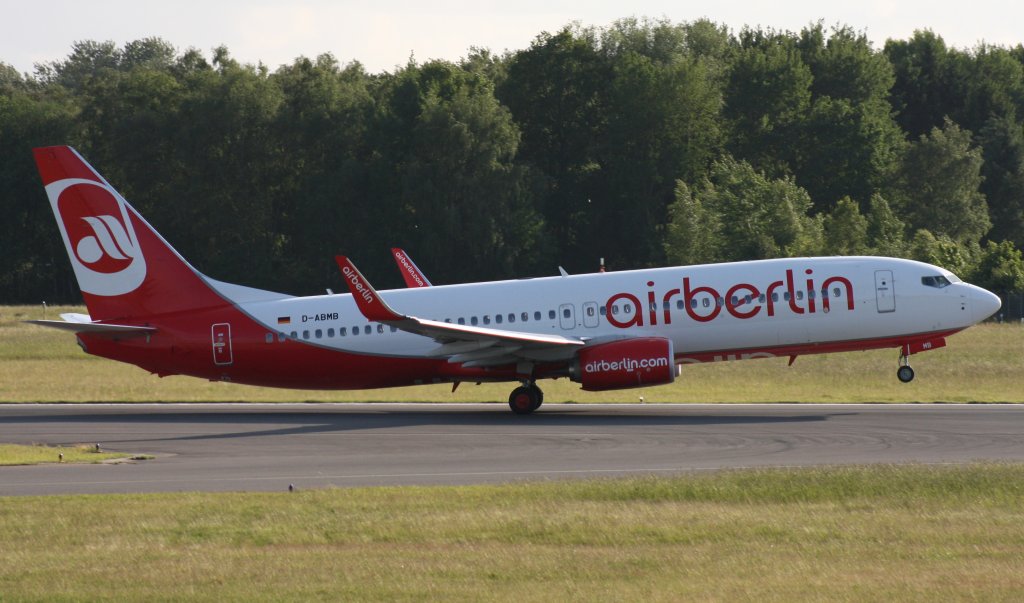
x=267 y=447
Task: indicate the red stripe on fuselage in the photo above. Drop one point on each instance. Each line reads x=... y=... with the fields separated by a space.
x=806 y=349
x=182 y=345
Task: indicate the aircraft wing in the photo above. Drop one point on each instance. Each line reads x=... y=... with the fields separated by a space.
x=468 y=345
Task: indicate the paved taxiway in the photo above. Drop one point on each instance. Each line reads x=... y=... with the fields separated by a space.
x=267 y=447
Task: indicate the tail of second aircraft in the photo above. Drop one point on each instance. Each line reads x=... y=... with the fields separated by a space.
x=125 y=269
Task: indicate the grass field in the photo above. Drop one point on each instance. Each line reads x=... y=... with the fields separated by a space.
x=14 y=454
x=983 y=364
x=912 y=533
x=837 y=534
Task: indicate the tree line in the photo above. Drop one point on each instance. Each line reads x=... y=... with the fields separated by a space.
x=646 y=142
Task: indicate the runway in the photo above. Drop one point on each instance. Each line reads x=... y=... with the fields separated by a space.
x=266 y=447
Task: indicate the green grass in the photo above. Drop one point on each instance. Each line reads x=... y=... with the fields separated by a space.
x=837 y=534
x=15 y=454
x=983 y=364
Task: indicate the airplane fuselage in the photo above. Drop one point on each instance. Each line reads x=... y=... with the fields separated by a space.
x=756 y=309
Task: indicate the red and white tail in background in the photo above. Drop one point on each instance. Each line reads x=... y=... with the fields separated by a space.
x=411 y=273
x=125 y=269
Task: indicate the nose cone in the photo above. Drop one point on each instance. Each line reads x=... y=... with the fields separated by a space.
x=984 y=303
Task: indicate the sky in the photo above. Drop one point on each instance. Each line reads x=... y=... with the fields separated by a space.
x=383 y=35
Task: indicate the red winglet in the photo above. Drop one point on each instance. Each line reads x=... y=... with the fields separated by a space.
x=369 y=302
x=411 y=273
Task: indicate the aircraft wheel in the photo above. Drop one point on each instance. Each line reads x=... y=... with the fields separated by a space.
x=539 y=393
x=524 y=400
x=905 y=374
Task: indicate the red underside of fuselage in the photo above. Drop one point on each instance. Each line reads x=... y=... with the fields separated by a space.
x=295 y=364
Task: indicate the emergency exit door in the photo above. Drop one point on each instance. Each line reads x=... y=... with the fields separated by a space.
x=221 y=335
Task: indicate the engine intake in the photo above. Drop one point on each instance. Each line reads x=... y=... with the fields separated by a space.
x=624 y=364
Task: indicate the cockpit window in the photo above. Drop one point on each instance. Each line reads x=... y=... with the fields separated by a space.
x=935 y=281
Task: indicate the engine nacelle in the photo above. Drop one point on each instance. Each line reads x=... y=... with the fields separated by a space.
x=625 y=363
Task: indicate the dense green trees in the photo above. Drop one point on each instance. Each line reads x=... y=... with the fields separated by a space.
x=645 y=142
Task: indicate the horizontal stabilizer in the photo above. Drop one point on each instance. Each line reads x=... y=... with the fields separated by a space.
x=93 y=327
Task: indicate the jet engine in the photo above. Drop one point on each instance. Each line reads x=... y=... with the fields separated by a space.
x=624 y=363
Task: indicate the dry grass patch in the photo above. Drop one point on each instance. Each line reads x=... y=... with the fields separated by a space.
x=16 y=454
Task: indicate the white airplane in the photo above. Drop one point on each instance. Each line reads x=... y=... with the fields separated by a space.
x=149 y=307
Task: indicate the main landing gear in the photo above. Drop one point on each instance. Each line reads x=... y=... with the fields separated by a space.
x=525 y=399
x=905 y=373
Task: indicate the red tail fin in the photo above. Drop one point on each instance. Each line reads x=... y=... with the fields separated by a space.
x=411 y=273
x=125 y=269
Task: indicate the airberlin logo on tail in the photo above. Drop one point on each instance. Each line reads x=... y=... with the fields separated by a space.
x=99 y=237
x=408 y=267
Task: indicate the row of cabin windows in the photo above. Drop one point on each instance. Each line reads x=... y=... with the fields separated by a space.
x=330 y=332
x=368 y=329
x=511 y=317
x=706 y=301
x=498 y=319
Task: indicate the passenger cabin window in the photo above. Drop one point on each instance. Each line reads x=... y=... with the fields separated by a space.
x=552 y=315
x=366 y=329
x=938 y=282
x=270 y=338
x=319 y=333
x=525 y=316
x=341 y=331
x=536 y=315
x=330 y=332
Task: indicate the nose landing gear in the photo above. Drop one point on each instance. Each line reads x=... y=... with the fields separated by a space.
x=905 y=373
x=525 y=399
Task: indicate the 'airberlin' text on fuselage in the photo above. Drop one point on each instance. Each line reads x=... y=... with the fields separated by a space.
x=742 y=300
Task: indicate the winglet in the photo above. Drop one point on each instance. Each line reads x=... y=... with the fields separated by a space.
x=369 y=301
x=412 y=274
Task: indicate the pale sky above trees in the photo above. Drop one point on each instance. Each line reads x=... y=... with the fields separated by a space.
x=383 y=35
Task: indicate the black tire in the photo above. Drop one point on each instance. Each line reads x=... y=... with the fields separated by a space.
x=538 y=393
x=905 y=374
x=523 y=400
